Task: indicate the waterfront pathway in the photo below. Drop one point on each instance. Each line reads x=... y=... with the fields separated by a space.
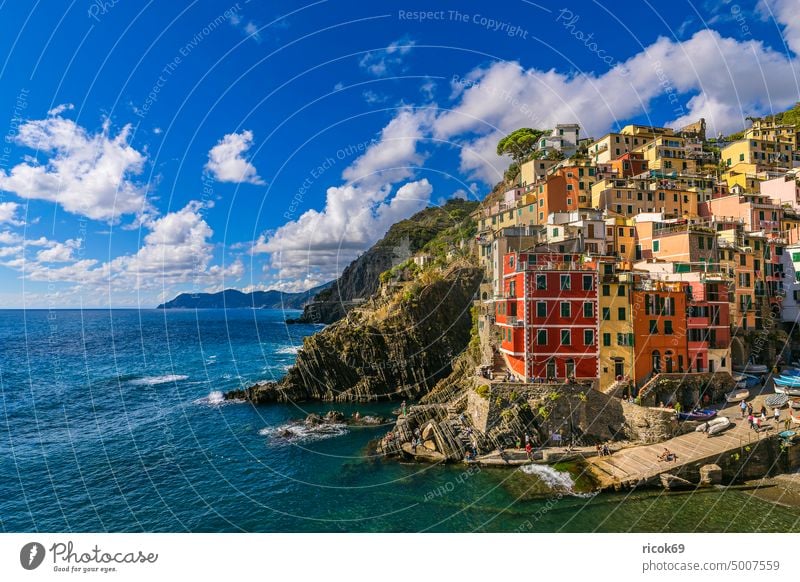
x=638 y=465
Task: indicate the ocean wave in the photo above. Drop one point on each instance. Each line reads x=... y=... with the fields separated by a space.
x=556 y=481
x=299 y=432
x=215 y=398
x=154 y=380
x=291 y=350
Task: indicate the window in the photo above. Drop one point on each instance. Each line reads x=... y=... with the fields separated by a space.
x=541 y=337
x=606 y=290
x=606 y=339
x=587 y=282
x=541 y=281
x=566 y=311
x=565 y=282
x=625 y=339
x=541 y=309
x=656 y=246
x=566 y=337
x=701 y=242
x=621 y=313
x=555 y=232
x=653 y=326
x=588 y=309
x=588 y=337
x=606 y=313
x=668 y=327
x=621 y=291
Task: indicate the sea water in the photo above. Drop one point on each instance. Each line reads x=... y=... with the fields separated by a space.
x=115 y=421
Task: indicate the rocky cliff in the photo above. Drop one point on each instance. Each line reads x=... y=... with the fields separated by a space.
x=361 y=279
x=397 y=346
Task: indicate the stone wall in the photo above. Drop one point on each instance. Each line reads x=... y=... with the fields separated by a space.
x=572 y=411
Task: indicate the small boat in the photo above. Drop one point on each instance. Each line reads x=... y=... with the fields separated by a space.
x=788 y=390
x=752 y=368
x=787 y=435
x=795 y=403
x=708 y=425
x=794 y=419
x=790 y=381
x=717 y=425
x=738 y=394
x=702 y=414
x=776 y=400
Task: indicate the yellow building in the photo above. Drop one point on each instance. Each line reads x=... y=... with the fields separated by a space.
x=669 y=153
x=616 y=325
x=533 y=171
x=621 y=237
x=767 y=129
x=761 y=152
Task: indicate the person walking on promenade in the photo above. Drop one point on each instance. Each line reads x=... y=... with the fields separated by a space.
x=750 y=420
x=743 y=407
x=776 y=414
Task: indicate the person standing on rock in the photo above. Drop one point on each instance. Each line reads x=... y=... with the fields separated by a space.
x=403 y=408
x=529 y=450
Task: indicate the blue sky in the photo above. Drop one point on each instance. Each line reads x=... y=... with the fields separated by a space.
x=153 y=148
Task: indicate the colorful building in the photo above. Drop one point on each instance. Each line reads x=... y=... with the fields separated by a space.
x=548 y=318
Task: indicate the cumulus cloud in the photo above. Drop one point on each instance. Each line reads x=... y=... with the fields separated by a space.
x=709 y=76
x=783 y=12
x=88 y=174
x=177 y=250
x=382 y=62
x=8 y=214
x=227 y=161
x=377 y=192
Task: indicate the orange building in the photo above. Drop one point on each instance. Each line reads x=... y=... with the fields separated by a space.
x=551 y=196
x=659 y=328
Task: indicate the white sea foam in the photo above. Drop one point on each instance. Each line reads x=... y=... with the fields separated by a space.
x=154 y=380
x=215 y=398
x=298 y=432
x=288 y=350
x=558 y=481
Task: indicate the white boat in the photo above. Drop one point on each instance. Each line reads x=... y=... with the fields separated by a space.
x=739 y=394
x=715 y=425
x=795 y=419
x=718 y=425
x=788 y=390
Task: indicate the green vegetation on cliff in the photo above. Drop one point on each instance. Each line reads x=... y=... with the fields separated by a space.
x=361 y=279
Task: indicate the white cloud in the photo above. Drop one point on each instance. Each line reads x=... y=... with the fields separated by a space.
x=59 y=109
x=87 y=174
x=382 y=62
x=8 y=214
x=372 y=98
x=706 y=75
x=784 y=12
x=176 y=251
x=58 y=252
x=319 y=244
x=227 y=163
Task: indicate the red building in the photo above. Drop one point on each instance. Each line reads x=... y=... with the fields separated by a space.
x=548 y=316
x=708 y=331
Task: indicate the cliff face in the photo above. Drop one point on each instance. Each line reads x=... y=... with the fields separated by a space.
x=393 y=349
x=361 y=279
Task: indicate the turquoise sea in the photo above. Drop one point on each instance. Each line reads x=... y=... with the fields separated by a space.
x=113 y=421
